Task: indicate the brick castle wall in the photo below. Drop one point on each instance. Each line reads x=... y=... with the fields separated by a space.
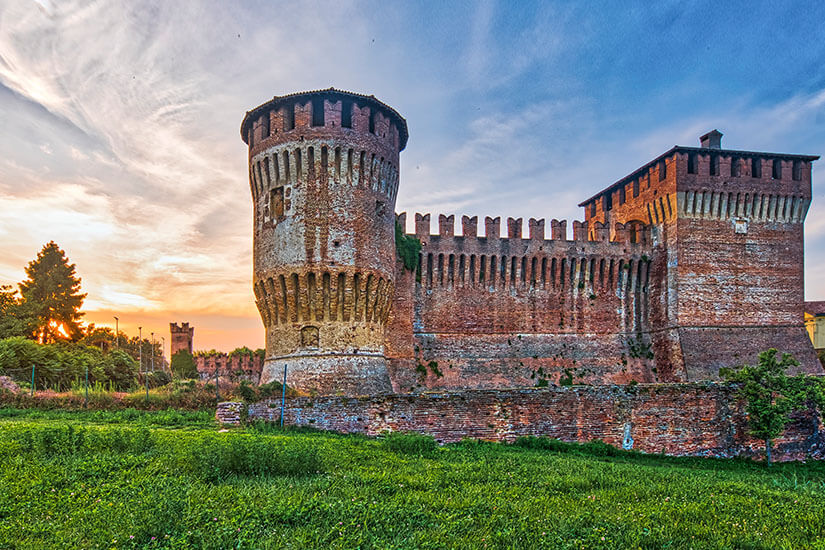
x=676 y=419
x=236 y=367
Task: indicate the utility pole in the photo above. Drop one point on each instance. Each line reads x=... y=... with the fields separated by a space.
x=117 y=333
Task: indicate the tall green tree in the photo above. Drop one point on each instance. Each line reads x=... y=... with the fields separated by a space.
x=183 y=365
x=15 y=316
x=52 y=294
x=770 y=394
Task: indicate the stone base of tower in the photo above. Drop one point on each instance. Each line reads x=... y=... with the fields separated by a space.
x=349 y=375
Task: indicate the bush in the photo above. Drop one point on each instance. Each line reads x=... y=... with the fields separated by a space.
x=410 y=443
x=215 y=458
x=183 y=365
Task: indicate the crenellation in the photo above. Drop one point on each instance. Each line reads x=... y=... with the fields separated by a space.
x=558 y=230
x=446 y=226
x=492 y=227
x=513 y=228
x=469 y=226
x=422 y=226
x=536 y=228
x=579 y=230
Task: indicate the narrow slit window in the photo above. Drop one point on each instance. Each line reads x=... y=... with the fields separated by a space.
x=735 y=165
x=346 y=114
x=372 y=121
x=691 y=163
x=714 y=165
x=662 y=170
x=289 y=118
x=756 y=167
x=797 y=170
x=777 y=169
x=265 y=126
x=317 y=111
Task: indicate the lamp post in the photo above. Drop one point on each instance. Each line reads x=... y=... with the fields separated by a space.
x=152 y=356
x=162 y=352
x=117 y=333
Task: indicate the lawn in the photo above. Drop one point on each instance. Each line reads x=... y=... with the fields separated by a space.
x=128 y=480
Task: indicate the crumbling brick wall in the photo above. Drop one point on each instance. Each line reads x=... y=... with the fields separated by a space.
x=676 y=419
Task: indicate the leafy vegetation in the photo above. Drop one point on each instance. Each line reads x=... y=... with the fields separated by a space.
x=50 y=296
x=77 y=483
x=407 y=247
x=771 y=396
x=183 y=364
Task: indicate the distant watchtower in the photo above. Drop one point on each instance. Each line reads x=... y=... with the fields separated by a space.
x=323 y=171
x=181 y=337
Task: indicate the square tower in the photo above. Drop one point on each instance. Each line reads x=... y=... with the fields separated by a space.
x=727 y=230
x=181 y=338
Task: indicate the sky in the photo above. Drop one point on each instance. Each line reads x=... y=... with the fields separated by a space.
x=119 y=122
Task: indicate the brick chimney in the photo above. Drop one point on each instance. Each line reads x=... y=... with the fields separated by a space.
x=711 y=140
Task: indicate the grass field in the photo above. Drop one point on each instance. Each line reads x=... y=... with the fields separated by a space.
x=171 y=480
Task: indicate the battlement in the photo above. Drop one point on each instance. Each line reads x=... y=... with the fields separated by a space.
x=599 y=232
x=330 y=113
x=183 y=328
x=736 y=181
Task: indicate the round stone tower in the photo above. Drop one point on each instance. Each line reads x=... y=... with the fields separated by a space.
x=323 y=169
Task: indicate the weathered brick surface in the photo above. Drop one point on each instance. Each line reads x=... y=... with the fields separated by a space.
x=236 y=367
x=691 y=263
x=229 y=413
x=677 y=419
x=324 y=178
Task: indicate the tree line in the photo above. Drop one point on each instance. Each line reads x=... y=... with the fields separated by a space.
x=42 y=338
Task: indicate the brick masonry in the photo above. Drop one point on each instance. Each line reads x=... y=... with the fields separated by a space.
x=690 y=263
x=676 y=419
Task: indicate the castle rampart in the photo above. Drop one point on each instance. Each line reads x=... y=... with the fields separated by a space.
x=690 y=263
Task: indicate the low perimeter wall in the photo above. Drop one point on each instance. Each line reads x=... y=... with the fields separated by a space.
x=677 y=419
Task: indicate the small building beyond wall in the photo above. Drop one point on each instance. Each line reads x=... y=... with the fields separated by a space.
x=676 y=419
x=815 y=323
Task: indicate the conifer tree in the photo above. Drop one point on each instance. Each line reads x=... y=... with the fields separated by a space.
x=52 y=295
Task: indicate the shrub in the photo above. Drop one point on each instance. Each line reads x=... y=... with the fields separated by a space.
x=183 y=365
x=410 y=443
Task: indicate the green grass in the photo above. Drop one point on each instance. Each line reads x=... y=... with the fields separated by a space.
x=87 y=482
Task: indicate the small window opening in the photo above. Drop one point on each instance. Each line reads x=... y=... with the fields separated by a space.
x=372 y=121
x=265 y=126
x=636 y=187
x=346 y=114
x=317 y=111
x=735 y=167
x=662 y=170
x=756 y=167
x=608 y=202
x=714 y=165
x=276 y=206
x=692 y=163
x=593 y=209
x=622 y=195
x=797 y=170
x=777 y=169
x=289 y=118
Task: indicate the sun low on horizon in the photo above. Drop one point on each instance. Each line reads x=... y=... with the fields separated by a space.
x=121 y=121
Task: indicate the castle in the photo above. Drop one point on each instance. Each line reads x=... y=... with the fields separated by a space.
x=690 y=263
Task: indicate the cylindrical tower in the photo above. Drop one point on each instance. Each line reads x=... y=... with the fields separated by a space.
x=323 y=169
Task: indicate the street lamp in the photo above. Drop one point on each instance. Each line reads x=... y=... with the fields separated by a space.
x=152 y=356
x=117 y=333
x=162 y=352
x=140 y=347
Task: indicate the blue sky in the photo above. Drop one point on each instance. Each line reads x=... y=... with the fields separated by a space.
x=120 y=121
